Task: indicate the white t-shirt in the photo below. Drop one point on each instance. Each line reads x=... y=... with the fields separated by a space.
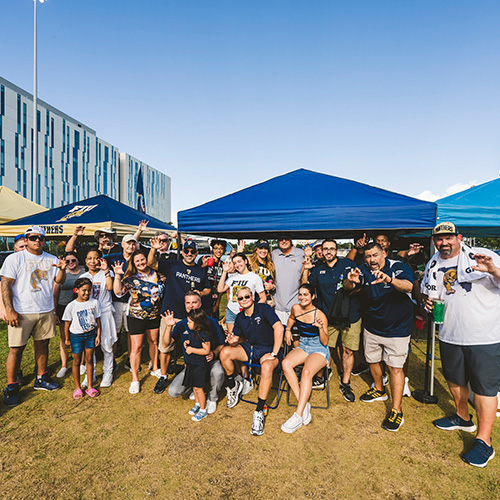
x=82 y=315
x=472 y=310
x=34 y=275
x=235 y=282
x=99 y=291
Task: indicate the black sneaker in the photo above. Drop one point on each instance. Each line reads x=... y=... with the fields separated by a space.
x=318 y=382
x=45 y=383
x=480 y=454
x=373 y=395
x=394 y=421
x=346 y=391
x=359 y=369
x=161 y=385
x=11 y=395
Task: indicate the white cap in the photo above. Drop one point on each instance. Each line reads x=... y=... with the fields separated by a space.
x=128 y=237
x=35 y=230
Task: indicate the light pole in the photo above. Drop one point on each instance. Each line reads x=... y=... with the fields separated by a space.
x=35 y=184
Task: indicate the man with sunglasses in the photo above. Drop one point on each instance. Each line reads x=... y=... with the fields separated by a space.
x=257 y=337
x=181 y=276
x=27 y=290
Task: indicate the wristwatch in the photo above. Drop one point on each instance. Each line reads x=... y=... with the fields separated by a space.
x=273 y=355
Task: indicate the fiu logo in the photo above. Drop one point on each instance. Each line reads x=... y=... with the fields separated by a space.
x=36 y=277
x=77 y=211
x=449 y=279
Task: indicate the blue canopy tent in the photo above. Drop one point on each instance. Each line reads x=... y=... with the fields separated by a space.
x=93 y=213
x=305 y=204
x=475 y=211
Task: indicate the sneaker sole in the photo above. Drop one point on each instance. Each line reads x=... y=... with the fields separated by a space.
x=480 y=465
x=289 y=430
x=44 y=389
x=381 y=398
x=395 y=430
x=457 y=427
x=256 y=433
x=349 y=400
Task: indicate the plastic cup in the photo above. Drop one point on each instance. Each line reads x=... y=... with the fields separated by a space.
x=210 y=261
x=438 y=311
x=419 y=322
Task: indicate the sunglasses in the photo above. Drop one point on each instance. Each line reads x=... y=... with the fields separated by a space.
x=69 y=261
x=162 y=240
x=243 y=297
x=190 y=250
x=36 y=237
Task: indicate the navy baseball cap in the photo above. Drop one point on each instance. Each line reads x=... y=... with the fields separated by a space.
x=190 y=244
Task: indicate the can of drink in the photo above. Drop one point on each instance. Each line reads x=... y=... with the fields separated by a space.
x=438 y=311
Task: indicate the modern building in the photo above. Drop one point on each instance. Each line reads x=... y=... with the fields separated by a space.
x=73 y=163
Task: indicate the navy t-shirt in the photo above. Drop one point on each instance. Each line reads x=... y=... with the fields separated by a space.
x=386 y=311
x=257 y=328
x=327 y=280
x=179 y=280
x=181 y=333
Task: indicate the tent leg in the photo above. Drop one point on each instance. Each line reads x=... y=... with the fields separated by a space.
x=424 y=395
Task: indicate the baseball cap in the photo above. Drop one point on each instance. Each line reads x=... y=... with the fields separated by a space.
x=190 y=244
x=317 y=243
x=444 y=228
x=35 y=230
x=105 y=230
x=18 y=237
x=262 y=244
x=128 y=237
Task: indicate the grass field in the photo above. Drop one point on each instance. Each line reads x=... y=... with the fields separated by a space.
x=145 y=446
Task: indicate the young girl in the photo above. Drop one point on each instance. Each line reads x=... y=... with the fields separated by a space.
x=196 y=344
x=102 y=284
x=83 y=323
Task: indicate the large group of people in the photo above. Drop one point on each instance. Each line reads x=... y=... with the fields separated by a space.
x=306 y=311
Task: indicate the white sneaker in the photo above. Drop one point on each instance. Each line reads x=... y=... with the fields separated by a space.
x=233 y=394
x=406 y=390
x=156 y=373
x=107 y=380
x=191 y=396
x=385 y=381
x=150 y=365
x=306 y=416
x=135 y=387
x=247 y=386
x=62 y=372
x=83 y=369
x=211 y=407
x=292 y=424
x=84 y=384
x=257 y=423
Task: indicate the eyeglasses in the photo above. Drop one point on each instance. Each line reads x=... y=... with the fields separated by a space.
x=329 y=249
x=190 y=250
x=36 y=237
x=69 y=261
x=244 y=297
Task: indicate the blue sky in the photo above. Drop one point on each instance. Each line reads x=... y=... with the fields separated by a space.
x=221 y=94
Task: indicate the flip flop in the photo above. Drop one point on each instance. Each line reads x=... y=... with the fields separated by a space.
x=77 y=394
x=92 y=392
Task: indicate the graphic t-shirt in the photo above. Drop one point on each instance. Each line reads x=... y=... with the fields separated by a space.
x=34 y=275
x=99 y=291
x=83 y=315
x=146 y=294
x=471 y=310
x=235 y=282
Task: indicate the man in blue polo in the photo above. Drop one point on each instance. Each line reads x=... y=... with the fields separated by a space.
x=257 y=336
x=327 y=278
x=388 y=315
x=181 y=276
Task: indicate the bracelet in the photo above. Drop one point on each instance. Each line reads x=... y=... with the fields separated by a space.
x=392 y=279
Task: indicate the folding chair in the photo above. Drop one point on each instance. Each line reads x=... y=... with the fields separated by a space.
x=250 y=367
x=326 y=386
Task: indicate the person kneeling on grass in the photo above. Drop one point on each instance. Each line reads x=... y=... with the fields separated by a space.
x=83 y=326
x=256 y=337
x=312 y=352
x=196 y=342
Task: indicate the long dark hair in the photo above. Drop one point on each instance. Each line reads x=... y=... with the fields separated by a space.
x=201 y=324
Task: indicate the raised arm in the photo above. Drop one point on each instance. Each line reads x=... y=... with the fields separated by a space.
x=152 y=260
x=143 y=225
x=118 y=286
x=71 y=245
x=167 y=333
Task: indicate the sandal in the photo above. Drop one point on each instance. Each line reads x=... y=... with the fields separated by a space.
x=92 y=392
x=77 y=394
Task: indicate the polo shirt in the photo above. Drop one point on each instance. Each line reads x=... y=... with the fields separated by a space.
x=257 y=328
x=288 y=269
x=386 y=311
x=327 y=280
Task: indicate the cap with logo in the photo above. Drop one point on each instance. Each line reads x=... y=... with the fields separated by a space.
x=35 y=230
x=262 y=244
x=444 y=228
x=190 y=244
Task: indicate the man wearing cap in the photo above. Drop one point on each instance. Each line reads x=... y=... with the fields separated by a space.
x=27 y=290
x=287 y=261
x=467 y=279
x=213 y=266
x=181 y=276
x=317 y=247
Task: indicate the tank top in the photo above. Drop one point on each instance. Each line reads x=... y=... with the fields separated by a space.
x=305 y=329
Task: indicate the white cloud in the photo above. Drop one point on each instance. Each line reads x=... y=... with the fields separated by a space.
x=455 y=188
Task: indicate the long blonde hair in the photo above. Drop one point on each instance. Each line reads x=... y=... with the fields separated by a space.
x=268 y=263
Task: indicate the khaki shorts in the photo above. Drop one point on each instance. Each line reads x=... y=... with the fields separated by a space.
x=41 y=325
x=350 y=336
x=169 y=348
x=392 y=350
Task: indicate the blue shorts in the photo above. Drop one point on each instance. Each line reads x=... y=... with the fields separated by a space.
x=257 y=351
x=230 y=316
x=312 y=345
x=82 y=341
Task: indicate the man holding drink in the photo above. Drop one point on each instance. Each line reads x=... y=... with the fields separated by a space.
x=466 y=281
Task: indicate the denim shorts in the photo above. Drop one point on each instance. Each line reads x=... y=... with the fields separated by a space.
x=311 y=345
x=230 y=316
x=82 y=341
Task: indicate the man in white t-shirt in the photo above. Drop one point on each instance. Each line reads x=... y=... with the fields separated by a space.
x=468 y=281
x=27 y=291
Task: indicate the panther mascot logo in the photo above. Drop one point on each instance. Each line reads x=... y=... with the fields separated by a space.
x=36 y=277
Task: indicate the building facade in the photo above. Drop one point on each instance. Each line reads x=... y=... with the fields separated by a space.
x=73 y=163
